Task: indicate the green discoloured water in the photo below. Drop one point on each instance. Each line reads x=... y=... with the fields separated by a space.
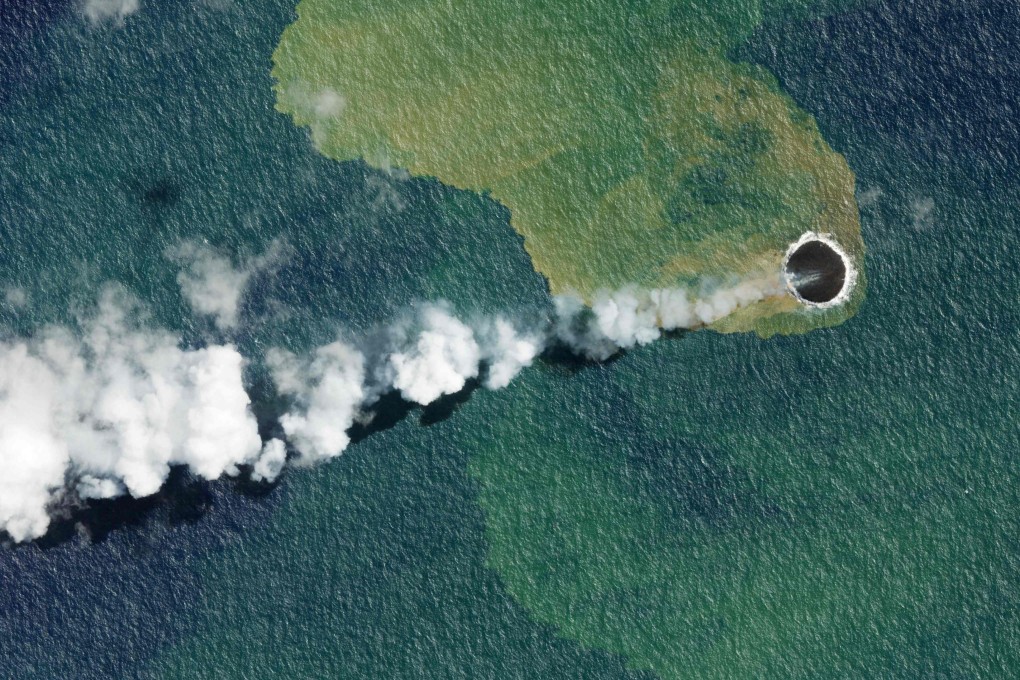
x=627 y=146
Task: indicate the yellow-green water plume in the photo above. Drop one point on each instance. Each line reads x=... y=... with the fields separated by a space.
x=627 y=146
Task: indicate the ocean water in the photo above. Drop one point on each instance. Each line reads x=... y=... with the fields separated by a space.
x=837 y=504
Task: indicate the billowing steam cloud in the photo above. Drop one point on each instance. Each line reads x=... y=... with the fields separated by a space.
x=423 y=358
x=439 y=361
x=328 y=391
x=107 y=408
x=100 y=11
x=507 y=352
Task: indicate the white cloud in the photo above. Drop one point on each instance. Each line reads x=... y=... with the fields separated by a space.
x=270 y=463
x=97 y=487
x=35 y=456
x=632 y=316
x=923 y=212
x=434 y=354
x=575 y=325
x=868 y=198
x=211 y=284
x=674 y=307
x=507 y=352
x=15 y=297
x=108 y=408
x=319 y=107
x=626 y=317
x=328 y=103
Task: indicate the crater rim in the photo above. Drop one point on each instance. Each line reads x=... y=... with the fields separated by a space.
x=849 y=277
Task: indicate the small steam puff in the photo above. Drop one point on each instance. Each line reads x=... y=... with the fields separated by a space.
x=99 y=11
x=107 y=410
x=211 y=283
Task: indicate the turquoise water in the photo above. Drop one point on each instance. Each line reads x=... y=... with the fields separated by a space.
x=837 y=504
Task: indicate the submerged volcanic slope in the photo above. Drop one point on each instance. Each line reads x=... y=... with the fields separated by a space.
x=628 y=148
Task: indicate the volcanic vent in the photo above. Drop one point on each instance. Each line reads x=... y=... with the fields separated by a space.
x=818 y=272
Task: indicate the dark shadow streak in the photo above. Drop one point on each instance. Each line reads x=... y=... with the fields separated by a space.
x=444 y=408
x=185 y=498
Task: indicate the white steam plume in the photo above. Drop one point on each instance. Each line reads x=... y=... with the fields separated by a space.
x=436 y=354
x=632 y=316
x=427 y=357
x=507 y=352
x=110 y=410
x=100 y=11
x=15 y=297
x=270 y=463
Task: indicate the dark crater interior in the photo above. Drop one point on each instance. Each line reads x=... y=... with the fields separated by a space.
x=816 y=272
